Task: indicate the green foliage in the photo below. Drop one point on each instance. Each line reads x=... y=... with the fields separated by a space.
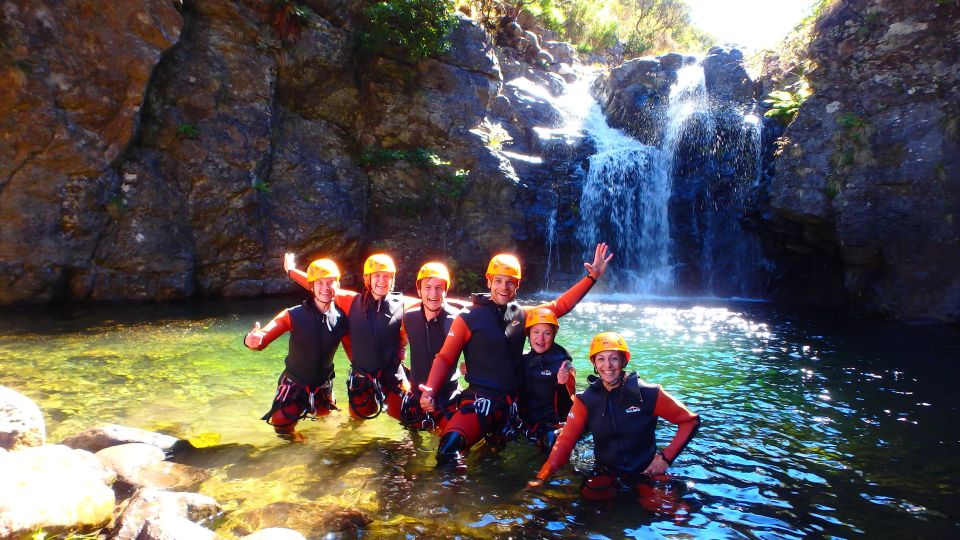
x=784 y=104
x=851 y=122
x=381 y=157
x=852 y=143
x=832 y=189
x=187 y=130
x=116 y=207
x=493 y=135
x=646 y=26
x=261 y=186
x=466 y=280
x=417 y=28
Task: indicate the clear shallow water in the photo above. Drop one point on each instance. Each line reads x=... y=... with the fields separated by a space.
x=811 y=426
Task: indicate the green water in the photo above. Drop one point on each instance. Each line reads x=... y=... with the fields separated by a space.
x=811 y=426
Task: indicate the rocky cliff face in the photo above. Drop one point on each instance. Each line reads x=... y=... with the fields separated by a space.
x=867 y=184
x=153 y=153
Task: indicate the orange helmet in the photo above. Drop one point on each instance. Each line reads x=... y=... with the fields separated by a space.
x=379 y=262
x=434 y=270
x=322 y=268
x=504 y=264
x=541 y=315
x=609 y=341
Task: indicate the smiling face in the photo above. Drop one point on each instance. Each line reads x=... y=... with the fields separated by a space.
x=541 y=337
x=503 y=289
x=609 y=365
x=379 y=283
x=324 y=289
x=432 y=292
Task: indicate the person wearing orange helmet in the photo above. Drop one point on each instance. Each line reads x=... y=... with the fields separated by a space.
x=316 y=328
x=490 y=334
x=549 y=381
x=427 y=324
x=375 y=342
x=621 y=411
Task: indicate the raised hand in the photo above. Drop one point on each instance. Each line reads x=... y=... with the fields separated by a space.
x=254 y=338
x=600 y=260
x=289 y=262
x=563 y=374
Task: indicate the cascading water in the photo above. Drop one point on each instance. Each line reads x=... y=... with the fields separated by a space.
x=671 y=212
x=627 y=191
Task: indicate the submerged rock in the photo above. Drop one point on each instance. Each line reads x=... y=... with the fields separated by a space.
x=315 y=520
x=98 y=438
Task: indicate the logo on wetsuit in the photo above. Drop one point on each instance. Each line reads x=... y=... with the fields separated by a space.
x=631 y=410
x=546 y=372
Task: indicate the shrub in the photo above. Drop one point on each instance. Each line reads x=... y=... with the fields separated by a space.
x=493 y=134
x=784 y=104
x=417 y=28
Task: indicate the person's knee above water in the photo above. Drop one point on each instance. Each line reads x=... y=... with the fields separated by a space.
x=621 y=411
x=316 y=328
x=490 y=334
x=375 y=343
x=426 y=325
x=548 y=380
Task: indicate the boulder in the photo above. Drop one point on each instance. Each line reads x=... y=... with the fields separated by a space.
x=98 y=438
x=150 y=504
x=54 y=488
x=21 y=422
x=172 y=527
x=561 y=51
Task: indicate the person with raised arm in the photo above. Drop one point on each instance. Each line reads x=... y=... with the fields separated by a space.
x=621 y=411
x=305 y=387
x=490 y=334
x=375 y=342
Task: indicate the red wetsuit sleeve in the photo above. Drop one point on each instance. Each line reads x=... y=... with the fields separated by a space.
x=569 y=299
x=300 y=277
x=274 y=329
x=569 y=435
x=402 y=349
x=446 y=360
x=670 y=409
x=572 y=384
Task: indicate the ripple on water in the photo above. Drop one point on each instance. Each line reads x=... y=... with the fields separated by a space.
x=810 y=427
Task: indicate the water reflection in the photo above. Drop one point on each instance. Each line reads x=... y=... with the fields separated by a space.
x=810 y=426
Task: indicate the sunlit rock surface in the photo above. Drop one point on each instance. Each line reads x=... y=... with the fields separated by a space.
x=75 y=76
x=54 y=488
x=98 y=438
x=867 y=185
x=152 y=504
x=21 y=422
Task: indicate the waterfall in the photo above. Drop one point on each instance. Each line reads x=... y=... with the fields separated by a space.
x=710 y=152
x=670 y=211
x=627 y=191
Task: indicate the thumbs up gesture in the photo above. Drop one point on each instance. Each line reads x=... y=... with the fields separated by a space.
x=563 y=374
x=254 y=338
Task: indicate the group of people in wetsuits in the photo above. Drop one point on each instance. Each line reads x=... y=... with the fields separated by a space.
x=508 y=394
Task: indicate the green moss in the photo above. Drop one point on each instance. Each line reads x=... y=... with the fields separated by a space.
x=187 y=131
